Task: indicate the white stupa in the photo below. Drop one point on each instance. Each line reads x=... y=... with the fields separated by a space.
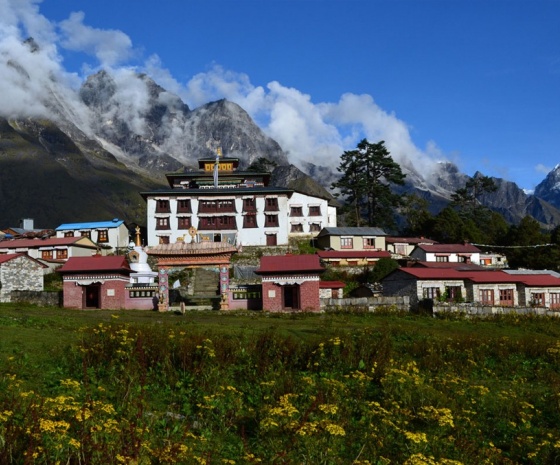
x=142 y=273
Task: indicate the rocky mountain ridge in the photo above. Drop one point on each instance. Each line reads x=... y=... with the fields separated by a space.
x=93 y=151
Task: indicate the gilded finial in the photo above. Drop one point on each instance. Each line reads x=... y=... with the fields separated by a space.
x=138 y=240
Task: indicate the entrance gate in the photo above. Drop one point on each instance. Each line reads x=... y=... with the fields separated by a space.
x=192 y=255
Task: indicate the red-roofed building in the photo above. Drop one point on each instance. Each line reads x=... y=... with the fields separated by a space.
x=463 y=253
x=290 y=282
x=103 y=282
x=403 y=246
x=352 y=257
x=493 y=288
x=18 y=272
x=53 y=251
x=331 y=289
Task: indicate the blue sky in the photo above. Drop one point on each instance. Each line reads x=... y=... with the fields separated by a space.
x=474 y=82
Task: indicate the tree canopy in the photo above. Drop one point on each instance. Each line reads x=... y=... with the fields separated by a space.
x=368 y=172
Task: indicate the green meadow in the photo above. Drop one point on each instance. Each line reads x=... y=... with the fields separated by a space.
x=102 y=387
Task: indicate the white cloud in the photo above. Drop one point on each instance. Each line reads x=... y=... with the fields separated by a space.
x=317 y=132
x=110 y=47
x=540 y=168
x=313 y=132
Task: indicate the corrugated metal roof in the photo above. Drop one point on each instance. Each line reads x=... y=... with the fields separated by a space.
x=53 y=241
x=449 y=248
x=352 y=231
x=116 y=263
x=272 y=264
x=7 y=257
x=483 y=277
x=114 y=223
x=353 y=254
x=331 y=284
x=409 y=240
x=10 y=256
x=460 y=266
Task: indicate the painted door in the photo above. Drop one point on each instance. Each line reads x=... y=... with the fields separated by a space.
x=92 y=296
x=271 y=239
x=291 y=297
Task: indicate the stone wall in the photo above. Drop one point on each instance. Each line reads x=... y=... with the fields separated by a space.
x=39 y=298
x=20 y=273
x=473 y=309
x=401 y=303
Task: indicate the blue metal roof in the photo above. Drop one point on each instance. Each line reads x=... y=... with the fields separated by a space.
x=115 y=223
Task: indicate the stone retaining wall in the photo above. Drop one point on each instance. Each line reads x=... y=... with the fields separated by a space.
x=488 y=310
x=370 y=304
x=39 y=298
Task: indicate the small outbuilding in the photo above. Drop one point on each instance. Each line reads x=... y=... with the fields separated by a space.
x=290 y=282
x=103 y=282
x=19 y=272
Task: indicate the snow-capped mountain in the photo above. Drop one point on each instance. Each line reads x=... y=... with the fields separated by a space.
x=84 y=154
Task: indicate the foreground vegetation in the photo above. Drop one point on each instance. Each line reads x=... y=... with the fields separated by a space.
x=209 y=388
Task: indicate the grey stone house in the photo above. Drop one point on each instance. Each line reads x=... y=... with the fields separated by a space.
x=19 y=272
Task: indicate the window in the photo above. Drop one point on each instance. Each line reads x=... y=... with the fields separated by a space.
x=346 y=243
x=454 y=293
x=217 y=206
x=506 y=297
x=246 y=295
x=400 y=249
x=102 y=235
x=369 y=242
x=487 y=296
x=314 y=210
x=271 y=239
x=296 y=228
x=47 y=254
x=463 y=259
x=85 y=234
x=555 y=300
x=271 y=221
x=430 y=292
x=314 y=227
x=227 y=222
x=62 y=254
x=163 y=239
x=162 y=206
x=442 y=258
x=296 y=211
x=271 y=204
x=537 y=299
x=249 y=205
x=140 y=294
x=162 y=223
x=183 y=222
x=207 y=206
x=184 y=206
x=69 y=234
x=226 y=206
x=207 y=222
x=250 y=221
x=217 y=222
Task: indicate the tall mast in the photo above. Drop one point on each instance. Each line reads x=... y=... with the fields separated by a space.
x=216 y=164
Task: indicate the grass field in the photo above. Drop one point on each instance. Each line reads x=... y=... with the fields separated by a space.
x=139 y=387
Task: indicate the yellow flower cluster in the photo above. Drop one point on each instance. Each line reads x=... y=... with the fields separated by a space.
x=443 y=416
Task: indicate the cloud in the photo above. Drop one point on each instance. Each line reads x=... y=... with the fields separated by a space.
x=542 y=169
x=110 y=47
x=316 y=132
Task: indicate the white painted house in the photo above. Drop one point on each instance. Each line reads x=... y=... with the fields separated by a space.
x=112 y=235
x=220 y=204
x=53 y=251
x=460 y=253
